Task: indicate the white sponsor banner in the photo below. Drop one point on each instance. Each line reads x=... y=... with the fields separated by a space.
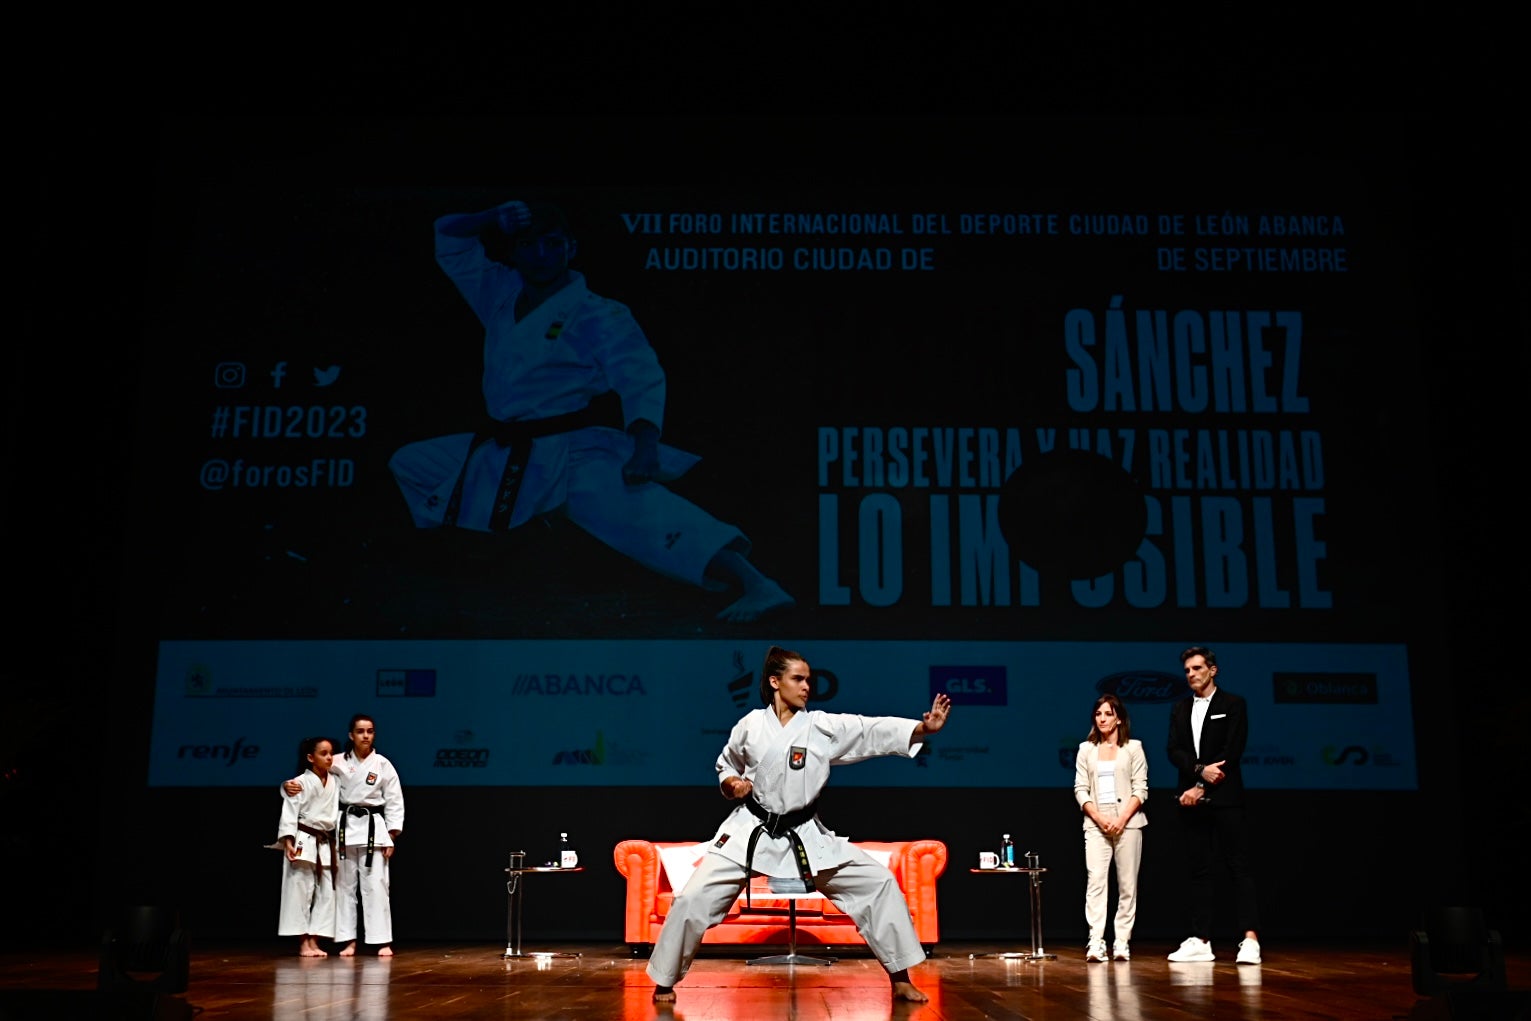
x=649 y=713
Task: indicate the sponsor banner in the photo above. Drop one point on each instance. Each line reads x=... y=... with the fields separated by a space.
x=1325 y=688
x=644 y=713
x=969 y=685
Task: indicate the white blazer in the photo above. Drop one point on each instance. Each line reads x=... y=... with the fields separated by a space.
x=1131 y=776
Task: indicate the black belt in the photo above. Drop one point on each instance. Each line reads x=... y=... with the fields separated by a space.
x=778 y=824
x=518 y=437
x=371 y=812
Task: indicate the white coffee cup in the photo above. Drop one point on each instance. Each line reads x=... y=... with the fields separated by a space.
x=988 y=860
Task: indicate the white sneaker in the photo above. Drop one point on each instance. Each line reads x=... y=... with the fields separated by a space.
x=1249 y=952
x=1194 y=949
x=1120 y=951
x=1096 y=951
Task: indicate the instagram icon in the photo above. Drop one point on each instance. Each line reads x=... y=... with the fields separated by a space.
x=229 y=375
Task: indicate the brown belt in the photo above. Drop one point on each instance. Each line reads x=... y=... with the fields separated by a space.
x=321 y=837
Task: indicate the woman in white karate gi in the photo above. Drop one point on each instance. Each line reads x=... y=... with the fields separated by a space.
x=775 y=764
x=551 y=348
x=306 y=833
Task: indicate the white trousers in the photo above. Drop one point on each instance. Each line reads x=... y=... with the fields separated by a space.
x=863 y=889
x=1099 y=851
x=308 y=900
x=376 y=914
x=659 y=529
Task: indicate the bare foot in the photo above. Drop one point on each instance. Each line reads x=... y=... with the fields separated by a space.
x=906 y=991
x=757 y=601
x=664 y=994
x=385 y=951
x=349 y=950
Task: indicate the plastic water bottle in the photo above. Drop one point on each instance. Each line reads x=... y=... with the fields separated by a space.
x=567 y=857
x=1007 y=853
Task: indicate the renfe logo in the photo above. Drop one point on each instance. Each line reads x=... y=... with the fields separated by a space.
x=970 y=685
x=238 y=750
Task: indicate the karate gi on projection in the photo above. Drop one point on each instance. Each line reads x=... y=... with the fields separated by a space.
x=780 y=757
x=551 y=348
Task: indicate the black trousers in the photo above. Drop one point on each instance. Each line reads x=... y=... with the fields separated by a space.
x=1212 y=834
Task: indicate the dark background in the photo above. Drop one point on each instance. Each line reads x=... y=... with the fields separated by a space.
x=1423 y=102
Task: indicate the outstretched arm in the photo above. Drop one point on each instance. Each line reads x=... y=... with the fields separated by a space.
x=508 y=216
x=932 y=721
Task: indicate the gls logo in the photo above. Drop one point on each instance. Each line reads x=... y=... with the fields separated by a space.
x=1331 y=758
x=970 y=685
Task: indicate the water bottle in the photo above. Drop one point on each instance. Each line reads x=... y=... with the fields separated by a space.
x=1007 y=853
x=567 y=858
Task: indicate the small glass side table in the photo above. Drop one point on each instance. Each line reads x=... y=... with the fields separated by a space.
x=1034 y=875
x=791 y=956
x=515 y=905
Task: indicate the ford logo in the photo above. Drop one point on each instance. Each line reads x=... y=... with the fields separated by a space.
x=1144 y=686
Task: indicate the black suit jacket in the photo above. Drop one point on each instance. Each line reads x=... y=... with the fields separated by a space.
x=1223 y=736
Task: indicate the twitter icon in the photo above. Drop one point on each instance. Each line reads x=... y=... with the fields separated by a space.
x=324 y=377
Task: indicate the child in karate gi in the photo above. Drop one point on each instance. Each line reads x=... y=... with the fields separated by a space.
x=306 y=835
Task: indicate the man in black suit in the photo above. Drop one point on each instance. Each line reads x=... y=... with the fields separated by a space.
x=1207 y=736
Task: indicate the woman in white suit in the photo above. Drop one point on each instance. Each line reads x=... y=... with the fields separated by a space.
x=1111 y=786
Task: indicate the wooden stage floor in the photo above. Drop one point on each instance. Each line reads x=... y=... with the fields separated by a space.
x=456 y=981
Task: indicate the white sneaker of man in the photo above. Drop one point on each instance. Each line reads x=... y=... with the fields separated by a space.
x=1249 y=951
x=1096 y=951
x=1120 y=951
x=1193 y=949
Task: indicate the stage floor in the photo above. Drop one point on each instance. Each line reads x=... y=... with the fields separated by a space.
x=446 y=981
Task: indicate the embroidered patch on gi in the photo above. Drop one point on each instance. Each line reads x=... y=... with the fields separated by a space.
x=721 y=840
x=554 y=330
x=799 y=757
x=371 y=779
